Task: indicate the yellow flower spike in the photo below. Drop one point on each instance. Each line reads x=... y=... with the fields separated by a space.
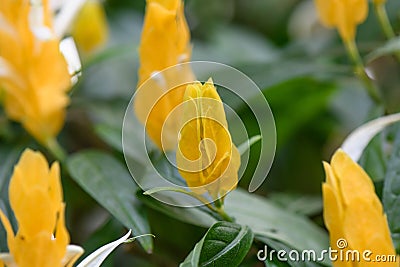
x=344 y=15
x=353 y=212
x=206 y=157
x=90 y=28
x=36 y=198
x=34 y=75
x=165 y=42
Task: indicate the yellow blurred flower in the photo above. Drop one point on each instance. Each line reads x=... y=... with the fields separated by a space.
x=353 y=212
x=165 y=42
x=33 y=73
x=90 y=29
x=206 y=157
x=36 y=198
x=344 y=15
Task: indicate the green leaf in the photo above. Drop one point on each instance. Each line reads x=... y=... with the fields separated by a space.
x=302 y=204
x=265 y=218
x=271 y=221
x=111 y=185
x=271 y=259
x=225 y=244
x=108 y=121
x=391 y=193
x=194 y=216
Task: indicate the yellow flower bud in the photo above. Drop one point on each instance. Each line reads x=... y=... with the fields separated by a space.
x=206 y=157
x=33 y=73
x=353 y=212
x=36 y=198
x=90 y=29
x=344 y=15
x=165 y=42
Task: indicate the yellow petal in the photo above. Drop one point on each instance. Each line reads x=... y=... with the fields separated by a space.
x=366 y=228
x=206 y=156
x=35 y=94
x=353 y=180
x=165 y=42
x=345 y=15
x=36 y=199
x=10 y=233
x=90 y=29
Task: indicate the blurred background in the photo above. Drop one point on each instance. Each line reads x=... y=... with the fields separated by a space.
x=303 y=71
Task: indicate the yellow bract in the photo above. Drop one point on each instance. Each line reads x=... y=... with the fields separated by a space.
x=344 y=15
x=33 y=73
x=36 y=198
x=206 y=157
x=165 y=42
x=90 y=29
x=353 y=212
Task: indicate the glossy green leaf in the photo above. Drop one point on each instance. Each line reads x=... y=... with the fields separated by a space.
x=225 y=244
x=111 y=185
x=391 y=193
x=271 y=221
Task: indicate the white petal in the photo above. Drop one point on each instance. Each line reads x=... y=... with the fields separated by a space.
x=66 y=16
x=70 y=52
x=96 y=258
x=73 y=253
x=8 y=260
x=358 y=140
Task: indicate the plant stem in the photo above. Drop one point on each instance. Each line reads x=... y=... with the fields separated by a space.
x=383 y=19
x=360 y=71
x=56 y=150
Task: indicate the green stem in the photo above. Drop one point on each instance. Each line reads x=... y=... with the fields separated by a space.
x=383 y=19
x=56 y=150
x=359 y=69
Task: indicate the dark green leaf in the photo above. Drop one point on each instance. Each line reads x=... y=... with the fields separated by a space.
x=225 y=244
x=391 y=193
x=270 y=221
x=110 y=184
x=9 y=156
